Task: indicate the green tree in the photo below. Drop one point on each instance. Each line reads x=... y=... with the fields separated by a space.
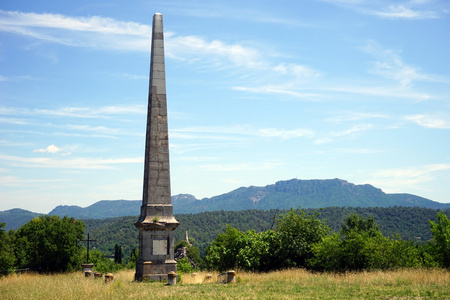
x=222 y=253
x=361 y=246
x=298 y=231
x=50 y=243
x=441 y=238
x=102 y=263
x=257 y=251
x=7 y=257
x=117 y=254
x=356 y=223
x=132 y=260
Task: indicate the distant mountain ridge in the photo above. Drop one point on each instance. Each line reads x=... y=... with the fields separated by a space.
x=100 y=210
x=314 y=193
x=286 y=194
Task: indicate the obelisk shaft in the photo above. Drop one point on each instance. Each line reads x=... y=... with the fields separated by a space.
x=157 y=170
x=156 y=222
x=156 y=196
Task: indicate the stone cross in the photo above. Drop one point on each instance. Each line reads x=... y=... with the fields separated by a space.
x=156 y=223
x=87 y=246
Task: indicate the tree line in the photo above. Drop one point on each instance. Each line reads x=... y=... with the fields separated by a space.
x=410 y=223
x=303 y=240
x=252 y=240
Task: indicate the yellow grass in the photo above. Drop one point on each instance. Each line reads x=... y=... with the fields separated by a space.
x=287 y=284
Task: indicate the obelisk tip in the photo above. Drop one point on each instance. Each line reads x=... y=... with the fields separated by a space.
x=157 y=13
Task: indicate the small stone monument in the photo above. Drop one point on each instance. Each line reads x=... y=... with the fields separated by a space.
x=172 y=278
x=87 y=268
x=227 y=277
x=208 y=278
x=109 y=278
x=231 y=276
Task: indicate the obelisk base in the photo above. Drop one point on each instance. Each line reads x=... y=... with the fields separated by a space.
x=147 y=270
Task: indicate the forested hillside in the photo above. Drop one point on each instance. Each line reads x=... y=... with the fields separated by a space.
x=281 y=195
x=16 y=217
x=411 y=223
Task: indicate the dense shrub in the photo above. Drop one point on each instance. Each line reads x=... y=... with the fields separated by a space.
x=289 y=245
x=7 y=256
x=441 y=238
x=49 y=244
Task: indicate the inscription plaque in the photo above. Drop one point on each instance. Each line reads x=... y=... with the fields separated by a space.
x=159 y=247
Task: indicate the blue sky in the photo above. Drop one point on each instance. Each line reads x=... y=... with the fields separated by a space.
x=258 y=91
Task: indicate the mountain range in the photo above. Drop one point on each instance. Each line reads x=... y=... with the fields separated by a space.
x=287 y=194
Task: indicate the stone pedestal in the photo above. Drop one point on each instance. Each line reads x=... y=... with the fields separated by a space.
x=109 y=278
x=87 y=267
x=172 y=278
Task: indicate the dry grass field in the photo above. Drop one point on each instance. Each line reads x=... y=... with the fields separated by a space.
x=288 y=284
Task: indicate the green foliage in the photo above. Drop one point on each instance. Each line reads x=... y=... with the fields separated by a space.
x=194 y=254
x=16 y=217
x=298 y=231
x=49 y=243
x=441 y=238
x=356 y=223
x=258 y=251
x=410 y=223
x=222 y=253
x=7 y=257
x=287 y=246
x=132 y=260
x=361 y=246
x=184 y=266
x=118 y=254
x=182 y=243
x=102 y=263
x=109 y=232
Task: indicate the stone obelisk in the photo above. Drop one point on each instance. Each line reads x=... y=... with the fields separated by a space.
x=156 y=223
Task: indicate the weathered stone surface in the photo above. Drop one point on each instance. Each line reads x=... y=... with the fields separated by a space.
x=156 y=223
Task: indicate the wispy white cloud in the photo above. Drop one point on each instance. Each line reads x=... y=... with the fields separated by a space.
x=285 y=134
x=73 y=163
x=98 y=32
x=351 y=132
x=76 y=112
x=388 y=91
x=408 y=178
x=403 y=12
x=216 y=53
x=15 y=121
x=429 y=121
x=243 y=130
x=18 y=78
x=390 y=65
x=109 y=34
x=48 y=149
x=16 y=181
x=240 y=166
x=406 y=10
x=356 y=116
x=207 y=10
x=358 y=151
x=281 y=90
